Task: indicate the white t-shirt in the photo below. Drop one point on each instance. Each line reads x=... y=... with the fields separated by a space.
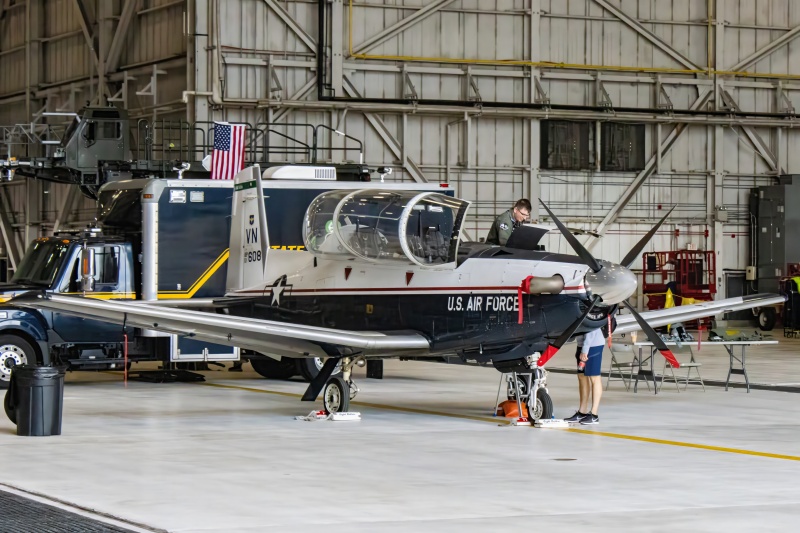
x=592 y=339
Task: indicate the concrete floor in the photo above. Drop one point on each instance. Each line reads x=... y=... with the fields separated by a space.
x=228 y=455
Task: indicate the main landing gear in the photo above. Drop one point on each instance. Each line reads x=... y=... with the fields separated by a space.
x=337 y=391
x=530 y=389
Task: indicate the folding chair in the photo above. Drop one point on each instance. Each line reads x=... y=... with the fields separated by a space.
x=620 y=367
x=692 y=364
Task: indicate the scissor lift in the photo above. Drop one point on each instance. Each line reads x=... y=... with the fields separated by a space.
x=689 y=274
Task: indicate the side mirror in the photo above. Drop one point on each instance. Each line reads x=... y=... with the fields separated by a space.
x=87 y=270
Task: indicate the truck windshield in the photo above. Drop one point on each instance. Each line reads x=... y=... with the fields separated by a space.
x=41 y=263
x=73 y=126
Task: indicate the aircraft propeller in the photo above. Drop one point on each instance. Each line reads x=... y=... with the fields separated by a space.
x=596 y=266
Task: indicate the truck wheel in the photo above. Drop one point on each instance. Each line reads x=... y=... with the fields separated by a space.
x=271 y=369
x=14 y=351
x=310 y=367
x=766 y=319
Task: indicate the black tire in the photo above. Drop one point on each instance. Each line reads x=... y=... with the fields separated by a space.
x=543 y=407
x=336 y=395
x=271 y=369
x=766 y=319
x=309 y=367
x=14 y=350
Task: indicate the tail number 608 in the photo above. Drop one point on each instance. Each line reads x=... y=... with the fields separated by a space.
x=252 y=257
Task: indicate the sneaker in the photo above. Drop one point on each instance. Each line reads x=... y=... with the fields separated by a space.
x=590 y=419
x=577 y=417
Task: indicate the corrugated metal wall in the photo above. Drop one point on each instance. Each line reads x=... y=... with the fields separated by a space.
x=264 y=51
x=51 y=32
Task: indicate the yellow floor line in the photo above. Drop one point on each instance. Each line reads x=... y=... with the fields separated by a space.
x=503 y=421
x=686 y=444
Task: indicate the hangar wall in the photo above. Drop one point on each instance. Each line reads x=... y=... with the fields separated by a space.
x=427 y=75
x=58 y=55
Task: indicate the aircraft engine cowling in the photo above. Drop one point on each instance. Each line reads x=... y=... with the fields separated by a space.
x=549 y=285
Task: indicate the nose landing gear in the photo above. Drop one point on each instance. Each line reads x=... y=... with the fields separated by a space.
x=530 y=389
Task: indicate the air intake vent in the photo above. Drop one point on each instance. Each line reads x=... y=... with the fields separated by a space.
x=300 y=173
x=322 y=173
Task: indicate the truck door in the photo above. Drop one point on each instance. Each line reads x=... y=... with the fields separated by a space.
x=112 y=280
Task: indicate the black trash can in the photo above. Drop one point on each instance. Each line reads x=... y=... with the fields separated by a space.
x=34 y=400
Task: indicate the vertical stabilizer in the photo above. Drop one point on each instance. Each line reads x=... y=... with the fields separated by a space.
x=249 y=244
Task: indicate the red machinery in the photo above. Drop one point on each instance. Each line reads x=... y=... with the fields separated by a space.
x=688 y=273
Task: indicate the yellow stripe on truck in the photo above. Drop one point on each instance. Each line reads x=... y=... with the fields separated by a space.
x=197 y=285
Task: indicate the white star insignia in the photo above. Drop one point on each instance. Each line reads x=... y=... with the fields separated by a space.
x=277 y=291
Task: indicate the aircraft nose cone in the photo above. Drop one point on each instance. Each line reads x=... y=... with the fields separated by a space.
x=613 y=284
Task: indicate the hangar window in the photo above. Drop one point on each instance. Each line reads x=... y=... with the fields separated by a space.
x=567 y=145
x=623 y=147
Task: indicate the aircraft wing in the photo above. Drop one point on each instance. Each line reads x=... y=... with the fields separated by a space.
x=264 y=336
x=684 y=313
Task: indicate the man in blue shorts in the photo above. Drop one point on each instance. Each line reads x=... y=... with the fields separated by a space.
x=589 y=356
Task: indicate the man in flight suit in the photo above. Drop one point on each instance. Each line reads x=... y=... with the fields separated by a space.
x=508 y=221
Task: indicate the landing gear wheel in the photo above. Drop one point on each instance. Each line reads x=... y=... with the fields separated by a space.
x=336 y=395
x=766 y=319
x=271 y=369
x=13 y=351
x=541 y=408
x=310 y=367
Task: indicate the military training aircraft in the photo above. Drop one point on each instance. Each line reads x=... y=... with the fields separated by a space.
x=384 y=273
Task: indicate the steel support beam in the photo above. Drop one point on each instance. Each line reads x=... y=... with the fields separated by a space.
x=68 y=204
x=292 y=24
x=400 y=26
x=33 y=210
x=649 y=170
x=758 y=142
x=34 y=10
x=86 y=26
x=522 y=112
x=10 y=237
x=783 y=40
x=715 y=184
x=300 y=94
x=337 y=46
x=120 y=35
x=534 y=130
x=647 y=34
x=380 y=127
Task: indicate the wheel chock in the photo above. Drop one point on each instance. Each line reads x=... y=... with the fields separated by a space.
x=520 y=421
x=322 y=415
x=551 y=423
x=345 y=416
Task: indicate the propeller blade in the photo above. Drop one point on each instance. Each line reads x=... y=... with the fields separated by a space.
x=582 y=252
x=554 y=347
x=636 y=250
x=654 y=337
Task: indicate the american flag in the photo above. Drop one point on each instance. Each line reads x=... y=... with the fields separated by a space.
x=228 y=156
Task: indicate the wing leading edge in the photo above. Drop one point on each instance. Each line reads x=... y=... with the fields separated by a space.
x=266 y=336
x=683 y=313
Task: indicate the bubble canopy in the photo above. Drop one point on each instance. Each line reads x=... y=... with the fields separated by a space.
x=386 y=225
